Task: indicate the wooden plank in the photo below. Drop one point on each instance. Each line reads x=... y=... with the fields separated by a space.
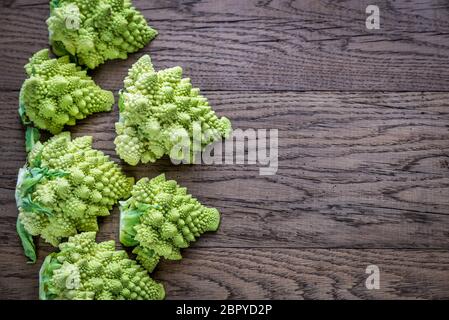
x=229 y=273
x=271 y=45
x=363 y=176
x=356 y=170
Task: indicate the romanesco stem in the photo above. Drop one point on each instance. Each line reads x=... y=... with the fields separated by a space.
x=32 y=136
x=27 y=242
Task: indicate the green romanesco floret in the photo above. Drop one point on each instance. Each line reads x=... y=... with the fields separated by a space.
x=97 y=30
x=160 y=218
x=58 y=93
x=86 y=270
x=64 y=187
x=161 y=114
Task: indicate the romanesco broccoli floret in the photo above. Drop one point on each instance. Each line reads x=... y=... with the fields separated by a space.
x=160 y=113
x=86 y=270
x=64 y=187
x=58 y=93
x=160 y=218
x=97 y=30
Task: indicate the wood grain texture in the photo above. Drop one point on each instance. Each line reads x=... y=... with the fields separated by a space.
x=363 y=120
x=278 y=274
x=355 y=170
x=268 y=45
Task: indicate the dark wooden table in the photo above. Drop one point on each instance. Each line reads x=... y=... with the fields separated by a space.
x=363 y=120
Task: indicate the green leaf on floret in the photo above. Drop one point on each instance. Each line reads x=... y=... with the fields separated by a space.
x=32 y=136
x=27 y=242
x=46 y=290
x=22 y=113
x=144 y=207
x=29 y=178
x=28 y=181
x=28 y=205
x=37 y=160
x=121 y=101
x=53 y=173
x=129 y=219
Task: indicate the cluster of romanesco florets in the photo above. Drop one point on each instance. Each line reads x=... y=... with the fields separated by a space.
x=65 y=186
x=160 y=218
x=161 y=114
x=86 y=270
x=58 y=93
x=97 y=30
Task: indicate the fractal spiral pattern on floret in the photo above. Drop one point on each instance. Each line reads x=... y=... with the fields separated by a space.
x=159 y=115
x=58 y=93
x=86 y=270
x=94 y=31
x=160 y=218
x=64 y=187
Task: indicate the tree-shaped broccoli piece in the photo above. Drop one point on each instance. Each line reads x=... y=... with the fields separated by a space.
x=86 y=270
x=64 y=187
x=160 y=218
x=58 y=93
x=97 y=30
